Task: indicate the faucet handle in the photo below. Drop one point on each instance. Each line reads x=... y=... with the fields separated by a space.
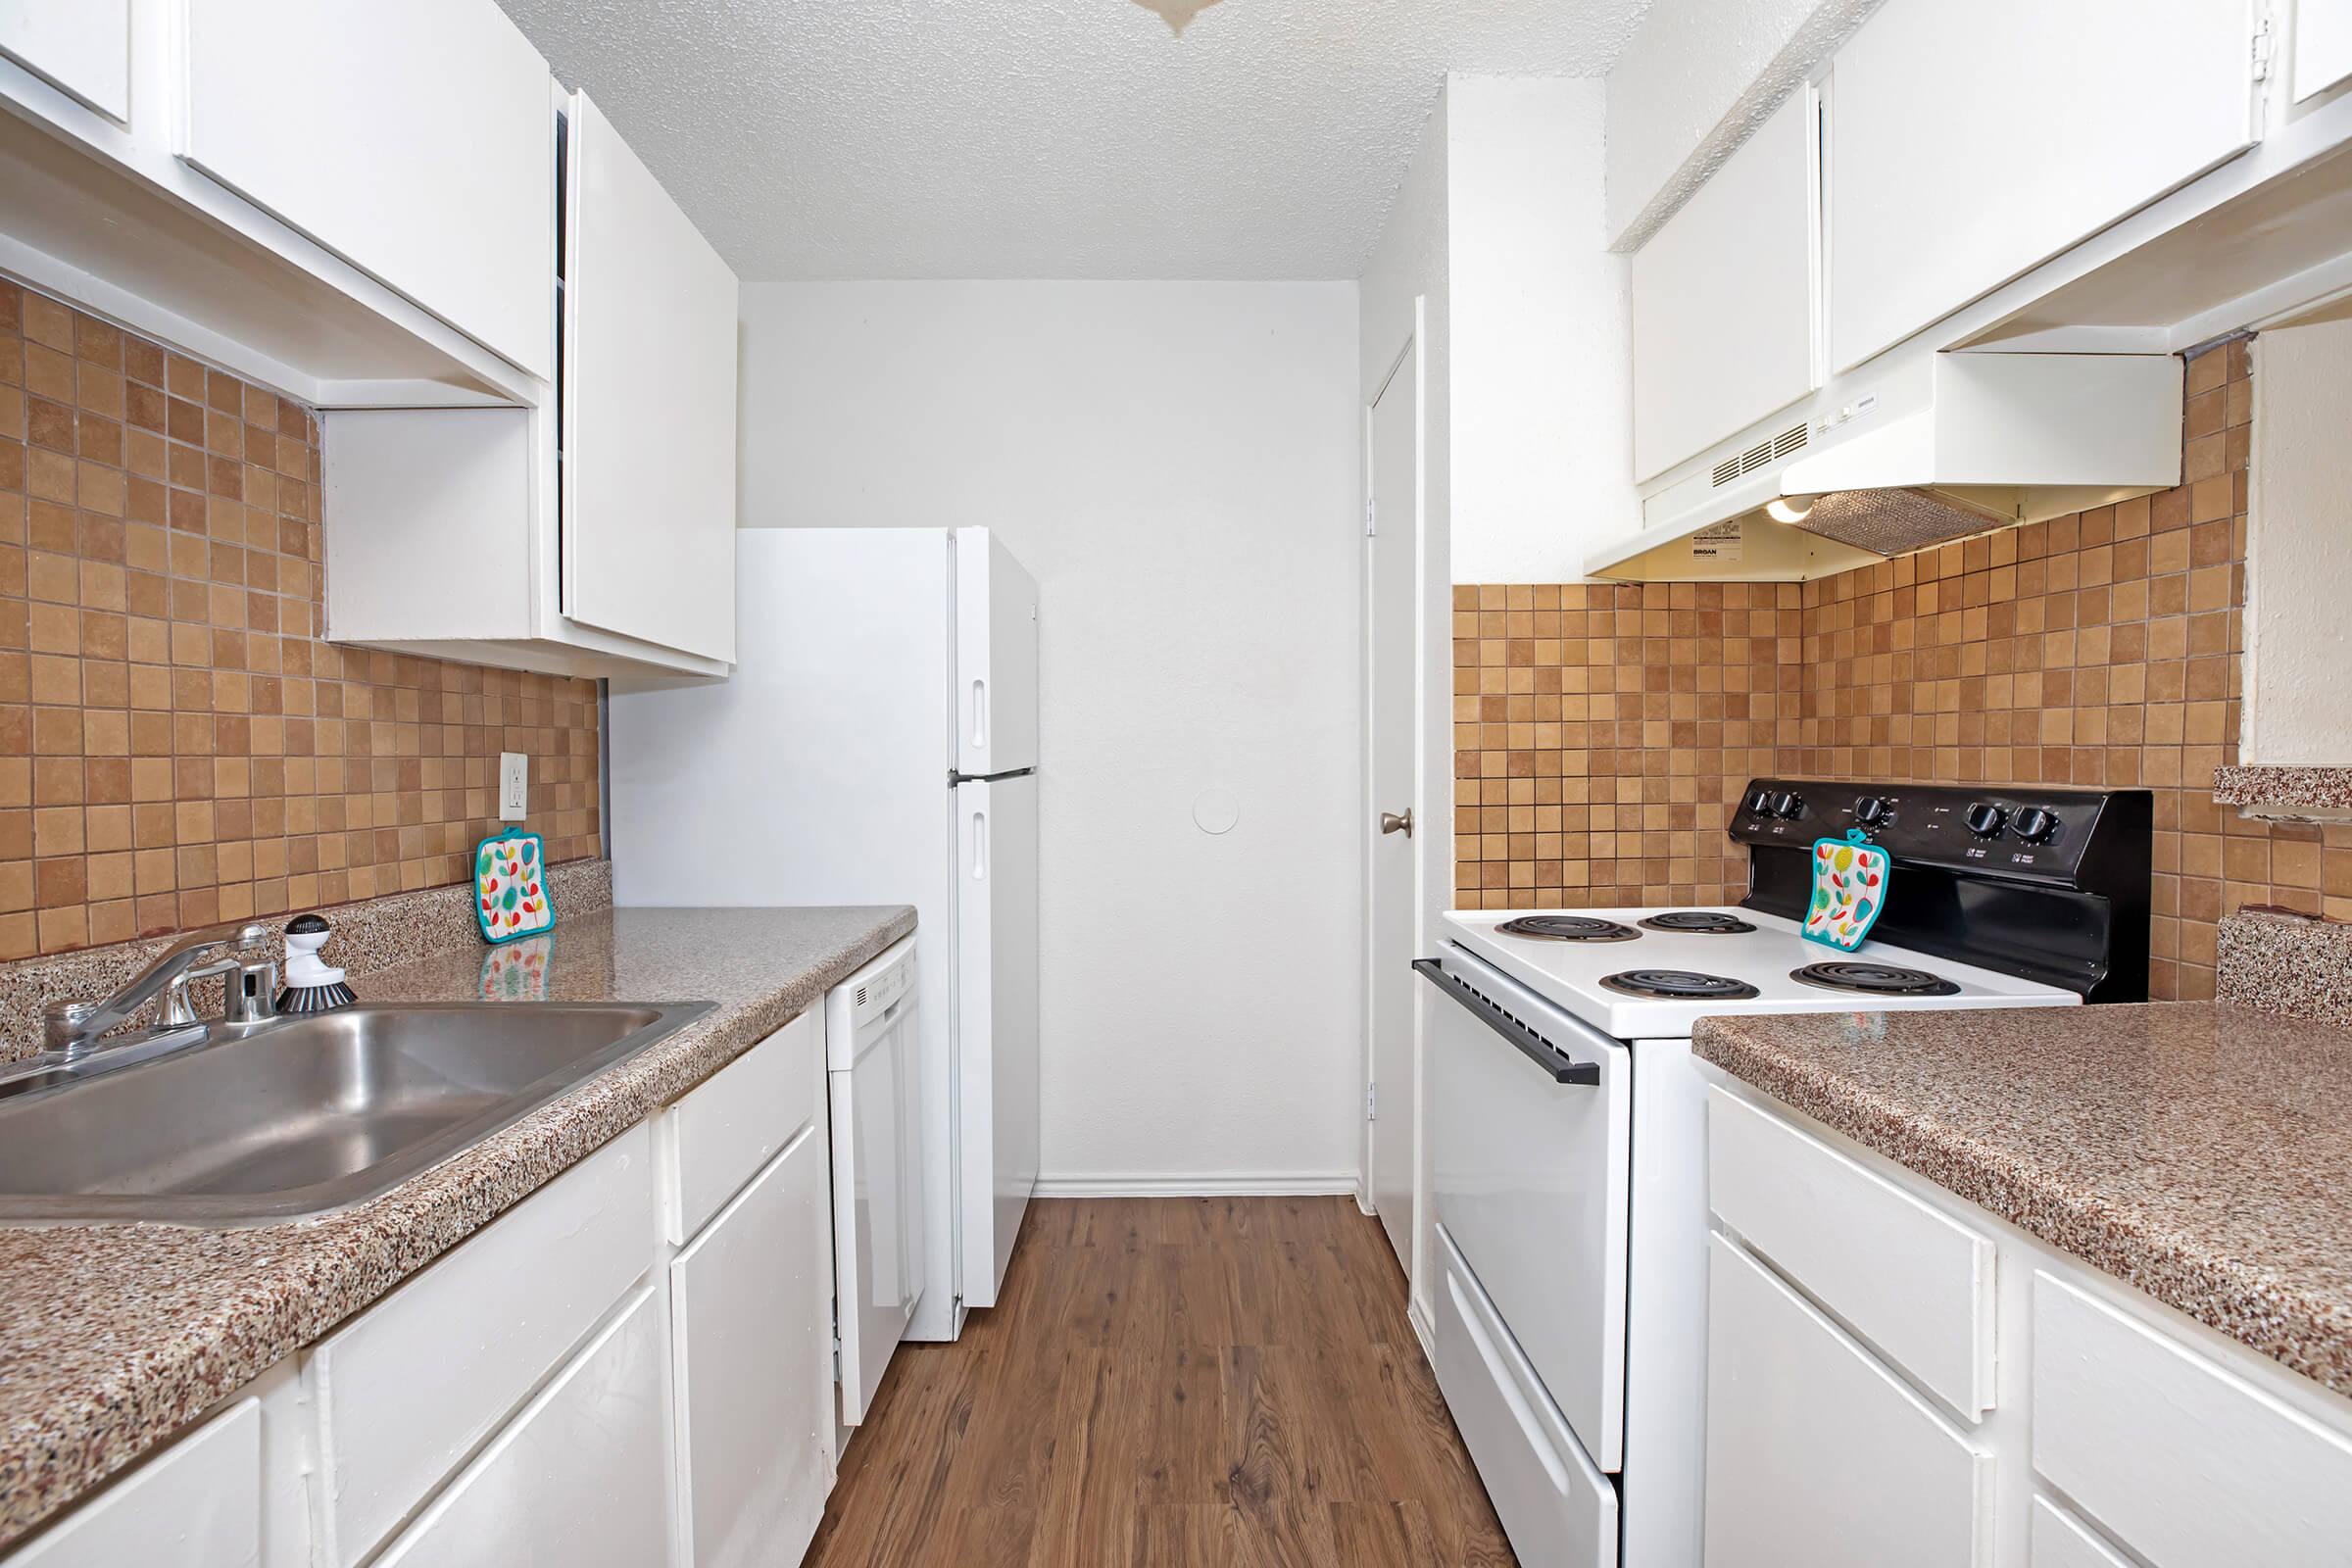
x=64 y=1024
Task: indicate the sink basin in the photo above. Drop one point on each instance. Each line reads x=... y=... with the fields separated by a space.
x=304 y=1114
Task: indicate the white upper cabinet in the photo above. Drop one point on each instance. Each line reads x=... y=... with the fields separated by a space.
x=1723 y=297
x=2322 y=54
x=82 y=47
x=1970 y=140
x=648 y=406
x=416 y=141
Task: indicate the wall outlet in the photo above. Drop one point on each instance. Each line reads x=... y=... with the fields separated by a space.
x=514 y=786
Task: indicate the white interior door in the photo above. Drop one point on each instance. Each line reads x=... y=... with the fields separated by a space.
x=1391 y=721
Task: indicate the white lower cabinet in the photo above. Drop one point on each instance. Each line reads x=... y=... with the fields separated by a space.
x=752 y=1303
x=2062 y=1541
x=403 y=1393
x=1816 y=1454
x=2104 y=1430
x=569 y=1388
x=2175 y=1455
x=577 y=1479
x=197 y=1504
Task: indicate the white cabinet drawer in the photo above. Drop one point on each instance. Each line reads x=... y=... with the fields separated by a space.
x=82 y=47
x=196 y=1505
x=578 y=1477
x=717 y=1136
x=1555 y=1506
x=2062 y=1541
x=1817 y=1454
x=2175 y=1455
x=406 y=1390
x=1908 y=1278
x=752 y=1308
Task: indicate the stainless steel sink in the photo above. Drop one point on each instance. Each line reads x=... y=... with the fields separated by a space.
x=303 y=1114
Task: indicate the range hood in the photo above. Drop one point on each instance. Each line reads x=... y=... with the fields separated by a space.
x=1903 y=456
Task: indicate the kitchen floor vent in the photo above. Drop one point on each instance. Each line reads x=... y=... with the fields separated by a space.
x=1793 y=439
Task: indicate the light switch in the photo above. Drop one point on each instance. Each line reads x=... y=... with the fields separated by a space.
x=514 y=786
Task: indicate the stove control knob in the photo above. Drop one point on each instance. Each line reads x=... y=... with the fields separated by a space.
x=1759 y=802
x=1986 y=821
x=2036 y=825
x=1871 y=811
x=1788 y=805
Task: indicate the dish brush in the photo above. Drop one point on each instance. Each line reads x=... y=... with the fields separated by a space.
x=312 y=986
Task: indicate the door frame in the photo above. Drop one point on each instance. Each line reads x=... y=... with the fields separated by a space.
x=1415 y=348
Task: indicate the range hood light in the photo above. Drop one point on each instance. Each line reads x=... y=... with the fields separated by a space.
x=1789 y=509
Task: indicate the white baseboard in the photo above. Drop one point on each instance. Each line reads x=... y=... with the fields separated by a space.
x=1422 y=1330
x=1222 y=1184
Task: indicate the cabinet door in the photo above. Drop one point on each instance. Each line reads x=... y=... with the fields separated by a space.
x=1817 y=1454
x=752 y=1307
x=82 y=47
x=577 y=1478
x=1723 y=297
x=196 y=1505
x=1969 y=141
x=416 y=141
x=648 y=406
x=2323 y=45
x=2176 y=1456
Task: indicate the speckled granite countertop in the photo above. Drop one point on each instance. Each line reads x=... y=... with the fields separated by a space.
x=114 y=1336
x=2200 y=1151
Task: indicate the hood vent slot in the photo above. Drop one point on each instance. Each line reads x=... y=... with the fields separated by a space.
x=1793 y=439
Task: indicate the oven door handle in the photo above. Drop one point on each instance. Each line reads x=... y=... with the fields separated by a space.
x=1562 y=1067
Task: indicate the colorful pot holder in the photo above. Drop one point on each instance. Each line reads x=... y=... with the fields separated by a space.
x=1849 y=889
x=509 y=886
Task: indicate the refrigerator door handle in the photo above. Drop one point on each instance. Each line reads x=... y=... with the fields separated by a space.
x=979 y=846
x=980 y=714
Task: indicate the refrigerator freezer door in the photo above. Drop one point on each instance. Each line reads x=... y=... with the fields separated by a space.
x=997 y=1002
x=996 y=658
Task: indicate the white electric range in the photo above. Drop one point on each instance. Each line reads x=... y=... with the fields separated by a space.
x=1567 y=1117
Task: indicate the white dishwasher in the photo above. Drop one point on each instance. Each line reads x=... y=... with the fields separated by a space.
x=875 y=1081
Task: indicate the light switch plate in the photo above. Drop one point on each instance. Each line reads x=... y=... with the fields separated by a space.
x=514 y=786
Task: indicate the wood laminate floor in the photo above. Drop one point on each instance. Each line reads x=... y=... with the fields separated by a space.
x=1170 y=1382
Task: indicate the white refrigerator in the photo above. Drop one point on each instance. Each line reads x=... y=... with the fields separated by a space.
x=877 y=744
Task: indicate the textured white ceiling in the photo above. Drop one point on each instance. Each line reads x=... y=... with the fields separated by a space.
x=1044 y=138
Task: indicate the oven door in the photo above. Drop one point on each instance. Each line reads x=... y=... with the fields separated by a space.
x=1530 y=1154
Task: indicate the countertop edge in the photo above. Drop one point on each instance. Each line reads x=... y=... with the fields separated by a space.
x=336 y=1266
x=2224 y=1294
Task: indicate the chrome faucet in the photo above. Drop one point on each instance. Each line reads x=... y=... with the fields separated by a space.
x=237 y=955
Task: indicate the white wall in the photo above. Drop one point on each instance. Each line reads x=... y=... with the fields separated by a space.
x=1542 y=338
x=2300 y=551
x=1690 y=84
x=1180 y=465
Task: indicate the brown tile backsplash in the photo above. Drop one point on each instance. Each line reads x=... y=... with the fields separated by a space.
x=178 y=744
x=1602 y=733
x=1595 y=763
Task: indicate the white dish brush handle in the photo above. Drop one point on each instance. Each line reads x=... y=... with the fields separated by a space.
x=312 y=984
